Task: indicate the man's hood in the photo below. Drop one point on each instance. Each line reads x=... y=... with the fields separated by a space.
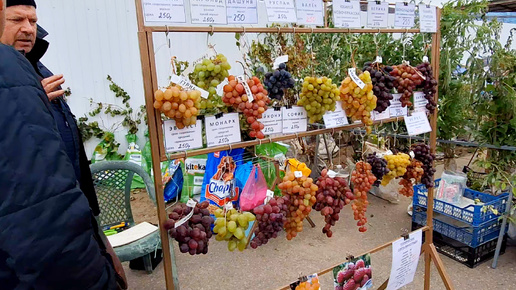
x=40 y=47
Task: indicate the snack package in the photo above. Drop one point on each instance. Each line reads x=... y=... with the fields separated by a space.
x=218 y=185
x=255 y=190
x=134 y=155
x=193 y=176
x=296 y=165
x=146 y=155
x=172 y=180
x=451 y=187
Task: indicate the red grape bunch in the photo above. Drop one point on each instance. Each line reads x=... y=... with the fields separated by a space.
x=407 y=79
x=299 y=195
x=383 y=83
x=362 y=178
x=429 y=85
x=193 y=235
x=422 y=153
x=379 y=167
x=332 y=195
x=278 y=81
x=270 y=218
x=235 y=95
x=412 y=176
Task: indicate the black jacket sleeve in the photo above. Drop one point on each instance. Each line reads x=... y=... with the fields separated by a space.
x=46 y=233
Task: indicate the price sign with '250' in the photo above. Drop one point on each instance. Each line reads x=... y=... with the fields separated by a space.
x=189 y=137
x=242 y=11
x=164 y=11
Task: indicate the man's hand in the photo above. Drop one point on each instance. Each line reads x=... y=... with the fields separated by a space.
x=50 y=85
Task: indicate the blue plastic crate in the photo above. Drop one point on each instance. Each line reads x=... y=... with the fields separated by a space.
x=473 y=214
x=469 y=235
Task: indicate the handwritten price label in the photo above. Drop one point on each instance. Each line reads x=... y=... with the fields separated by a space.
x=281 y=11
x=176 y=139
x=164 y=11
x=420 y=102
x=417 y=124
x=243 y=82
x=346 y=14
x=187 y=85
x=310 y=12
x=242 y=12
x=337 y=118
x=272 y=120
x=353 y=75
x=294 y=119
x=377 y=14
x=222 y=131
x=208 y=11
x=404 y=14
x=395 y=109
x=427 y=18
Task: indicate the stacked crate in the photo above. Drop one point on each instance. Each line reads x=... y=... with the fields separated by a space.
x=466 y=234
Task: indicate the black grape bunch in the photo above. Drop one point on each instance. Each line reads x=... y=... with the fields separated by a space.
x=423 y=154
x=383 y=83
x=278 y=81
x=429 y=85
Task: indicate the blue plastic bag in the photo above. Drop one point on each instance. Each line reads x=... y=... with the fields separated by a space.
x=175 y=185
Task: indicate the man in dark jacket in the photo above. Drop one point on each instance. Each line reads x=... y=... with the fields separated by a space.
x=48 y=238
x=23 y=33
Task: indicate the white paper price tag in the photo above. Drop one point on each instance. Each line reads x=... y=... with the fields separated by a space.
x=417 y=124
x=242 y=11
x=420 y=102
x=294 y=119
x=377 y=14
x=272 y=121
x=332 y=173
x=336 y=118
x=425 y=58
x=346 y=14
x=281 y=10
x=228 y=206
x=298 y=174
x=412 y=154
x=268 y=196
x=427 y=18
x=279 y=60
x=164 y=11
x=395 y=109
x=243 y=82
x=222 y=131
x=381 y=116
x=404 y=14
x=208 y=11
x=310 y=12
x=220 y=87
x=190 y=137
x=282 y=160
x=378 y=59
x=353 y=74
x=191 y=203
x=389 y=152
x=187 y=85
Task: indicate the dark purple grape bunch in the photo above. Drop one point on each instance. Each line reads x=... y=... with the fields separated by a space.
x=270 y=218
x=424 y=155
x=383 y=83
x=193 y=235
x=379 y=166
x=278 y=81
x=429 y=85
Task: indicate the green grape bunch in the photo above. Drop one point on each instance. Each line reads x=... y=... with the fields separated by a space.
x=207 y=75
x=318 y=96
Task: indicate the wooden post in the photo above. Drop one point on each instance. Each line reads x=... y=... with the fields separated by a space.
x=149 y=81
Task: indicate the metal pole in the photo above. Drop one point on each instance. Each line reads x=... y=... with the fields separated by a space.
x=502 y=229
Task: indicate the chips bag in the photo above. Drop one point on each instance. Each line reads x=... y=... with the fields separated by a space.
x=193 y=176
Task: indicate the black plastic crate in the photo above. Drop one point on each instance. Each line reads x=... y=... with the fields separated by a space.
x=461 y=252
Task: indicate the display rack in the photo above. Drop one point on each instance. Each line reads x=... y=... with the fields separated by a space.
x=145 y=40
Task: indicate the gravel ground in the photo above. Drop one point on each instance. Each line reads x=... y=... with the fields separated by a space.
x=275 y=264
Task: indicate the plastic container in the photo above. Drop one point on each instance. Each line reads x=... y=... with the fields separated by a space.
x=459 y=231
x=473 y=214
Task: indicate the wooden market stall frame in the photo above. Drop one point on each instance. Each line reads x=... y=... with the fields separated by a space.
x=145 y=40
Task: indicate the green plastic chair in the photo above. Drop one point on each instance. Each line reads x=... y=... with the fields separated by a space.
x=112 y=180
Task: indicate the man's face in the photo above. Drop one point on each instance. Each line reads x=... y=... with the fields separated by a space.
x=20 y=27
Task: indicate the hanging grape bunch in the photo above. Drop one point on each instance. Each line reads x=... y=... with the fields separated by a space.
x=407 y=79
x=332 y=195
x=362 y=178
x=235 y=95
x=358 y=103
x=278 y=82
x=193 y=235
x=383 y=83
x=379 y=167
x=178 y=104
x=299 y=195
x=412 y=176
x=422 y=153
x=318 y=96
x=270 y=217
x=429 y=85
x=231 y=226
x=397 y=165
x=208 y=75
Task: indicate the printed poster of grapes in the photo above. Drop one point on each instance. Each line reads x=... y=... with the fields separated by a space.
x=355 y=274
